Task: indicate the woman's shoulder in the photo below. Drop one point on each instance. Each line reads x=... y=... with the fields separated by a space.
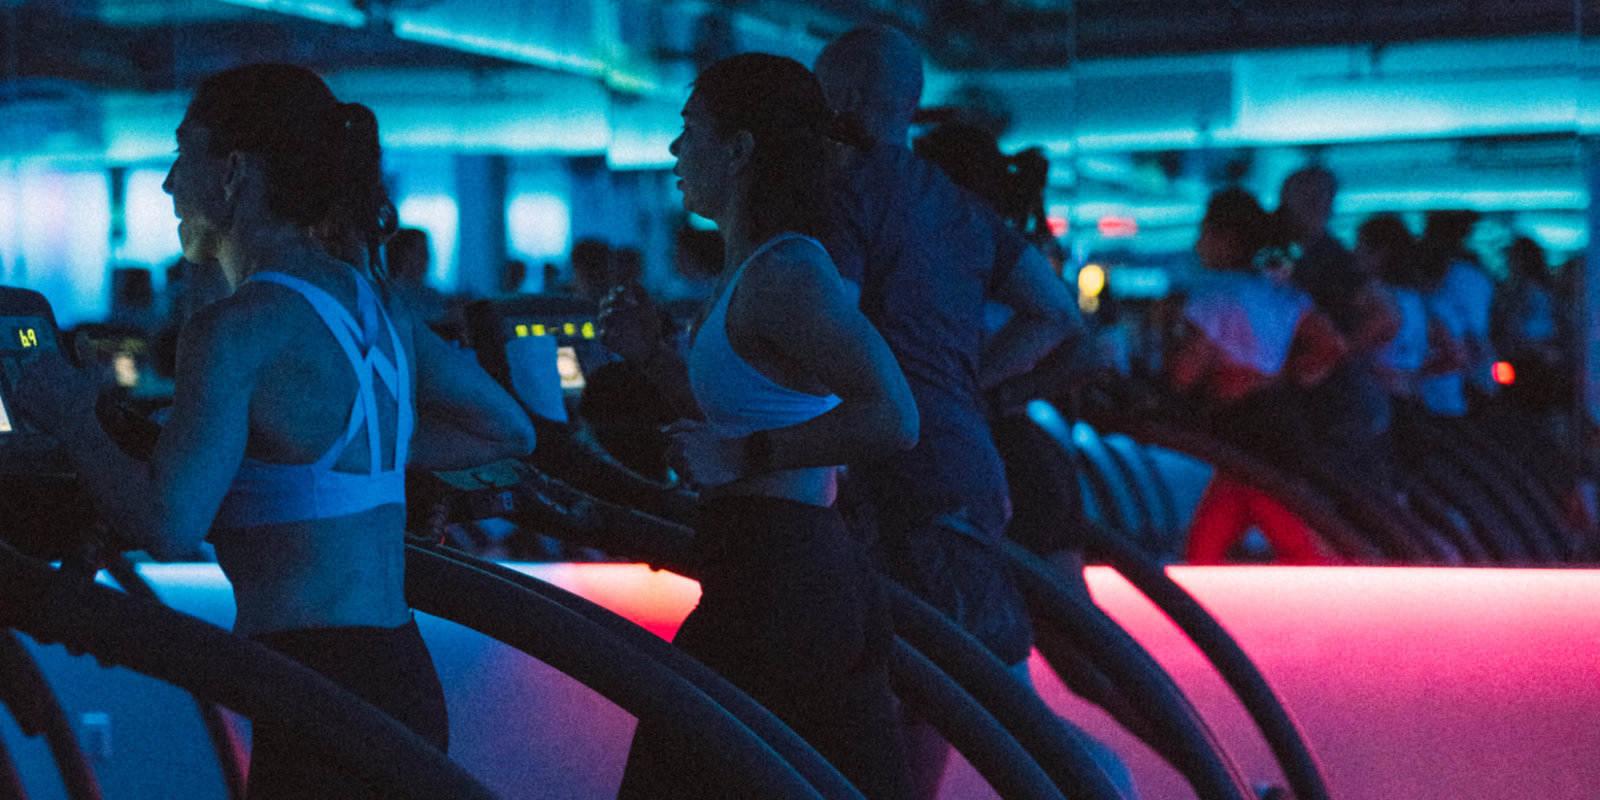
x=790 y=257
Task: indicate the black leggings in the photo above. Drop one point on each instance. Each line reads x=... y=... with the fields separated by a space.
x=388 y=667
x=791 y=613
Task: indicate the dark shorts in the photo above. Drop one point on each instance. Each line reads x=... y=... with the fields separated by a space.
x=789 y=612
x=944 y=544
x=388 y=667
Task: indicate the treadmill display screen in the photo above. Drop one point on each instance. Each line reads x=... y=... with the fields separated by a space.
x=571 y=371
x=562 y=329
x=23 y=334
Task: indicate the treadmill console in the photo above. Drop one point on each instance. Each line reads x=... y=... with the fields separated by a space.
x=43 y=509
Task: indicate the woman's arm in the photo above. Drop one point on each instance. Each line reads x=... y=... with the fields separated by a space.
x=795 y=306
x=166 y=505
x=464 y=418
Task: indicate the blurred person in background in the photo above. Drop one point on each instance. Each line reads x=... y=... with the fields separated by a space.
x=407 y=257
x=1248 y=340
x=1460 y=295
x=1349 y=410
x=1422 y=346
x=513 y=275
x=591 y=269
x=1531 y=332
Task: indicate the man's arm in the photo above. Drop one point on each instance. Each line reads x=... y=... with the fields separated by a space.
x=1043 y=314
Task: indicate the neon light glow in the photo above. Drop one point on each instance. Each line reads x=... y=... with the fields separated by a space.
x=656 y=600
x=539 y=226
x=152 y=228
x=336 y=14
x=1504 y=373
x=55 y=238
x=1117 y=227
x=1424 y=683
x=526 y=52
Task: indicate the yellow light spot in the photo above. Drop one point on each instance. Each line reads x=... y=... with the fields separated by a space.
x=569 y=329
x=538 y=330
x=588 y=330
x=522 y=330
x=1091 y=280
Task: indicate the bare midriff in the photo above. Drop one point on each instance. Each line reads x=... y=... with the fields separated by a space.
x=342 y=571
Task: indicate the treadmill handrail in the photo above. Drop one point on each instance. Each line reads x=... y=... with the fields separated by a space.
x=40 y=713
x=637 y=683
x=806 y=760
x=207 y=661
x=1140 y=678
x=1271 y=716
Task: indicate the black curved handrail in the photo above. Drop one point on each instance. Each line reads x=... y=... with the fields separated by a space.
x=640 y=685
x=1525 y=486
x=207 y=661
x=1305 y=501
x=1437 y=472
x=1472 y=456
x=585 y=521
x=34 y=706
x=1015 y=706
x=1189 y=743
x=1444 y=516
x=810 y=764
x=1284 y=738
x=229 y=750
x=1372 y=511
x=1154 y=493
x=968 y=727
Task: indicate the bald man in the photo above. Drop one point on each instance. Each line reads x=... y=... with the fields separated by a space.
x=926 y=256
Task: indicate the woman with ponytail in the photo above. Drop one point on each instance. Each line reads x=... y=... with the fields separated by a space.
x=784 y=380
x=300 y=400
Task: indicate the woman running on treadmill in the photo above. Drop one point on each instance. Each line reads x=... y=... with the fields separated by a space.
x=785 y=378
x=300 y=400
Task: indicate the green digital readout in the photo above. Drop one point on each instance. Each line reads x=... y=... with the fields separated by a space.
x=25 y=334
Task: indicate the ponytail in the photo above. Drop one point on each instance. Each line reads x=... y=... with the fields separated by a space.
x=322 y=157
x=361 y=206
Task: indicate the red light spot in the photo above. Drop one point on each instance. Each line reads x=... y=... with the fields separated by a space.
x=1058 y=226
x=1117 y=227
x=1504 y=374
